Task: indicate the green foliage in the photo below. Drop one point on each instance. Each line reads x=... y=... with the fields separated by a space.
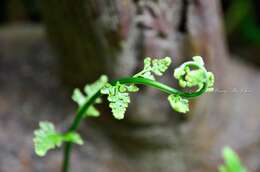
x=232 y=162
x=178 y=103
x=241 y=19
x=190 y=74
x=118 y=97
x=90 y=90
x=46 y=138
x=190 y=77
x=211 y=81
x=154 y=67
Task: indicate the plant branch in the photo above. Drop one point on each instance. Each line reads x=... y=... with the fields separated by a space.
x=130 y=80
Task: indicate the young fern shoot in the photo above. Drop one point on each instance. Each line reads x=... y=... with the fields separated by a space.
x=190 y=74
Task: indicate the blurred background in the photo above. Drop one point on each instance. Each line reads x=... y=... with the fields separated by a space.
x=49 y=47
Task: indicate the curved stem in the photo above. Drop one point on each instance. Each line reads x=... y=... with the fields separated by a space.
x=162 y=87
x=130 y=80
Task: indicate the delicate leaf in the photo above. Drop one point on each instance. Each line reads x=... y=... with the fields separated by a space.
x=90 y=90
x=132 y=88
x=190 y=77
x=78 y=97
x=232 y=162
x=154 y=67
x=160 y=65
x=178 y=103
x=195 y=78
x=198 y=60
x=118 y=97
x=46 y=138
x=211 y=80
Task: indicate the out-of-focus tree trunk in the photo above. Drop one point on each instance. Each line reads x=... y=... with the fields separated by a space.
x=114 y=36
x=93 y=37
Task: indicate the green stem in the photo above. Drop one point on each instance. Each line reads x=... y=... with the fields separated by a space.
x=66 y=156
x=130 y=80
